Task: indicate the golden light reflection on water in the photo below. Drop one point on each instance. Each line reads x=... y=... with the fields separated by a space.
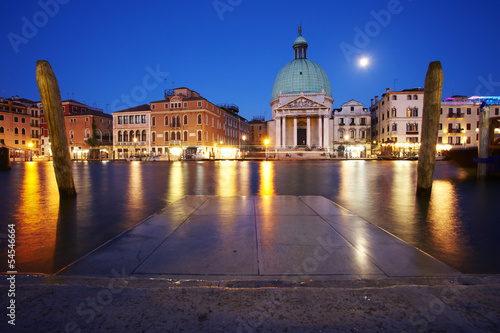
x=443 y=217
x=227 y=178
x=266 y=177
x=175 y=182
x=36 y=216
x=353 y=181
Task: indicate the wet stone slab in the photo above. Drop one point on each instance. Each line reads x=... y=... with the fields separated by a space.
x=261 y=237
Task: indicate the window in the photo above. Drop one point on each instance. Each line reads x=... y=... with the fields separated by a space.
x=394 y=127
x=352 y=121
x=120 y=136
x=179 y=136
x=1 y=130
x=440 y=139
x=408 y=97
x=415 y=97
x=497 y=111
x=87 y=119
x=23 y=120
x=125 y=136
x=125 y=120
x=16 y=142
x=185 y=104
x=199 y=135
x=16 y=130
x=441 y=111
x=412 y=112
x=138 y=135
x=153 y=121
x=440 y=126
x=469 y=111
x=363 y=121
x=153 y=136
x=87 y=133
x=16 y=119
x=178 y=120
x=199 y=119
x=469 y=126
x=166 y=120
x=137 y=119
x=144 y=135
x=362 y=134
x=130 y=119
x=352 y=108
x=120 y=120
x=412 y=139
x=185 y=119
x=165 y=136
x=206 y=119
x=457 y=140
x=394 y=112
x=1 y=117
x=352 y=134
x=341 y=122
x=74 y=109
x=166 y=105
x=341 y=134
x=411 y=127
x=199 y=104
x=23 y=131
x=153 y=106
x=172 y=124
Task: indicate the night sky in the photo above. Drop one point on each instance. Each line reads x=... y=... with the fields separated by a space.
x=116 y=54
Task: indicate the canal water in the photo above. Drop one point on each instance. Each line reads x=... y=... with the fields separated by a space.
x=459 y=225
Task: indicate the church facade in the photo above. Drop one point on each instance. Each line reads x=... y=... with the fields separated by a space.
x=301 y=104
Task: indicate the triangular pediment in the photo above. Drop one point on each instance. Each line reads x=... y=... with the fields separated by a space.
x=352 y=103
x=303 y=102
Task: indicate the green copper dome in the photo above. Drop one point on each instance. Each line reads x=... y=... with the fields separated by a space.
x=301 y=74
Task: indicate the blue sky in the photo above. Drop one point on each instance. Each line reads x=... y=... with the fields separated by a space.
x=114 y=54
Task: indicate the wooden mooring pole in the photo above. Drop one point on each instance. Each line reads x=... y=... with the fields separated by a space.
x=430 y=127
x=4 y=158
x=484 y=140
x=52 y=105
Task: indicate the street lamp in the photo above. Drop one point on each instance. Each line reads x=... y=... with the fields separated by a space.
x=31 y=155
x=266 y=142
x=244 y=137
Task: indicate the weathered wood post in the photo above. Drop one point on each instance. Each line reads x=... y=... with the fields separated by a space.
x=52 y=104
x=430 y=127
x=4 y=158
x=484 y=140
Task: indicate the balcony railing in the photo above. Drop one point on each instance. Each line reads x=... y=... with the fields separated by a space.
x=411 y=132
x=455 y=130
x=130 y=143
x=455 y=115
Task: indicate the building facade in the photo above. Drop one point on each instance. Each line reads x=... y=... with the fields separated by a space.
x=301 y=104
x=236 y=127
x=20 y=127
x=258 y=131
x=132 y=132
x=87 y=128
x=397 y=121
x=352 y=134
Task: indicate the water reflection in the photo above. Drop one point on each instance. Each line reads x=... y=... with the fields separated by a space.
x=226 y=178
x=266 y=173
x=175 y=182
x=443 y=218
x=36 y=215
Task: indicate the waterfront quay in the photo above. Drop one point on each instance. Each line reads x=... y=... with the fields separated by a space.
x=257 y=263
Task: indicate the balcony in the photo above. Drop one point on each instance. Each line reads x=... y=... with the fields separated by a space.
x=411 y=132
x=455 y=115
x=130 y=143
x=341 y=124
x=35 y=136
x=455 y=130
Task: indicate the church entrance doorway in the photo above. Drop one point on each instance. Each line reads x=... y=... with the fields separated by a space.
x=301 y=136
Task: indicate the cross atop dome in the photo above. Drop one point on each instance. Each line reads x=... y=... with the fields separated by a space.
x=300 y=29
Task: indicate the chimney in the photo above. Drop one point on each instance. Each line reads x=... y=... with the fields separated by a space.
x=387 y=90
x=372 y=101
x=17 y=97
x=376 y=99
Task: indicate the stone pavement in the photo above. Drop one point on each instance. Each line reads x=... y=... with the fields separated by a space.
x=263 y=237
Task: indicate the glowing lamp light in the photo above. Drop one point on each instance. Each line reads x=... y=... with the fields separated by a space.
x=176 y=151
x=244 y=137
x=266 y=142
x=30 y=144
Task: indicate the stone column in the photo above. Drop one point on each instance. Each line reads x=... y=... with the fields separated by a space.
x=278 y=131
x=320 y=131
x=295 y=131
x=326 y=123
x=308 y=136
x=283 y=130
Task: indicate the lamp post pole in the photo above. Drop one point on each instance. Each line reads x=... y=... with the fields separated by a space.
x=266 y=142
x=31 y=152
x=244 y=139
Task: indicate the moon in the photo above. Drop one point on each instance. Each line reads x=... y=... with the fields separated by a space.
x=363 y=62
